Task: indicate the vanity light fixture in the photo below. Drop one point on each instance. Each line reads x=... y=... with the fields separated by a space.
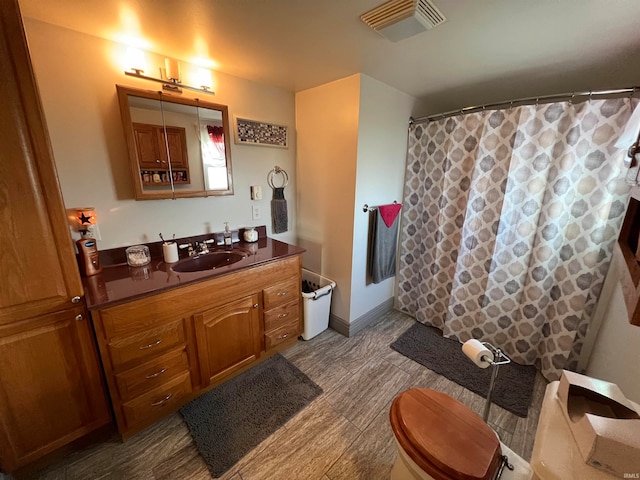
x=173 y=81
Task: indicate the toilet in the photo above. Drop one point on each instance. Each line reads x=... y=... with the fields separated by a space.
x=440 y=438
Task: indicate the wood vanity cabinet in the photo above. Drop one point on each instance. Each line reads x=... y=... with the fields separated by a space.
x=161 y=351
x=51 y=390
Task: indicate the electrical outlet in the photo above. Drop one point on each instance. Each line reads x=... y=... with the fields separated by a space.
x=256 y=212
x=92 y=231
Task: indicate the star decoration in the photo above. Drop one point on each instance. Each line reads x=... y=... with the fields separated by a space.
x=85 y=219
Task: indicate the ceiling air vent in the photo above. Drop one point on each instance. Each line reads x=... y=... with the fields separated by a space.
x=400 y=19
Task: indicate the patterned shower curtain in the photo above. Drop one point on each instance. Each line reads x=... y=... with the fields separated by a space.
x=509 y=222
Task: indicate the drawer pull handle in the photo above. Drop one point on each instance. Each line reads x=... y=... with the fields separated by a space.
x=282 y=294
x=157 y=374
x=282 y=337
x=78 y=317
x=75 y=300
x=255 y=305
x=282 y=315
x=151 y=345
x=163 y=401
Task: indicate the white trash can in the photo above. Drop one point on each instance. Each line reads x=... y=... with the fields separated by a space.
x=316 y=298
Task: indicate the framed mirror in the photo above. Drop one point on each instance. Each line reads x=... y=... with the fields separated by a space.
x=178 y=147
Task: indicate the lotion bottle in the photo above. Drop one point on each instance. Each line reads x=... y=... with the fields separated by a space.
x=228 y=241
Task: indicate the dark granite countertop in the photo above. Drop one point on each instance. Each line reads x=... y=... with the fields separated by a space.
x=119 y=283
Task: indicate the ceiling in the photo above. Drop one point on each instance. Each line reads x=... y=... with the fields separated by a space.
x=486 y=51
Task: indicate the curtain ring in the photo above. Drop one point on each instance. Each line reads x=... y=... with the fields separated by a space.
x=590 y=94
x=573 y=94
x=537 y=101
x=633 y=92
x=510 y=105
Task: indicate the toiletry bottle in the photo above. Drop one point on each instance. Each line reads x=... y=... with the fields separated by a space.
x=228 y=242
x=89 y=261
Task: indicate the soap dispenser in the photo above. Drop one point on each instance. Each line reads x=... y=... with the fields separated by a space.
x=228 y=241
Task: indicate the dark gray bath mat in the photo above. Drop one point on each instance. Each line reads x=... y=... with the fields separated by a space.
x=233 y=418
x=427 y=346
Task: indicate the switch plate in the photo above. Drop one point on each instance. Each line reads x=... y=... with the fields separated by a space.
x=256 y=192
x=256 y=212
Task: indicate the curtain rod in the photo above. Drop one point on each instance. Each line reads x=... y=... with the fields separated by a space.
x=524 y=101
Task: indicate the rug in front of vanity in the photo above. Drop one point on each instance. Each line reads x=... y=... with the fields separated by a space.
x=227 y=422
x=427 y=346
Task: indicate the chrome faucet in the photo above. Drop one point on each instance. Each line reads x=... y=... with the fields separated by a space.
x=196 y=248
x=201 y=248
x=191 y=251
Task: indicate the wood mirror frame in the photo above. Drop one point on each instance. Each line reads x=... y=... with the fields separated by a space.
x=171 y=145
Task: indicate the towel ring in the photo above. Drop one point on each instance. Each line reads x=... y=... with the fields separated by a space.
x=277 y=170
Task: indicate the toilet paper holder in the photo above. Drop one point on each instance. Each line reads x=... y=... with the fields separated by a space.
x=485 y=355
x=499 y=358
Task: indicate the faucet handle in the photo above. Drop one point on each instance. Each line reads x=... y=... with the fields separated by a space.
x=191 y=250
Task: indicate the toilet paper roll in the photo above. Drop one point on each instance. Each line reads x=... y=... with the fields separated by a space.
x=170 y=252
x=478 y=353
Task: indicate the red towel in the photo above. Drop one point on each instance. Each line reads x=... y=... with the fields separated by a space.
x=389 y=213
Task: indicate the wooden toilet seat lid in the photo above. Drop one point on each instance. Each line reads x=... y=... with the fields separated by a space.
x=439 y=431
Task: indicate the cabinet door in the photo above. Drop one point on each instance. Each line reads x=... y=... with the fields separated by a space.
x=38 y=262
x=147 y=147
x=177 y=143
x=51 y=390
x=228 y=338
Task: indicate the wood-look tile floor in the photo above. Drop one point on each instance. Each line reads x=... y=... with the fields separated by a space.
x=343 y=434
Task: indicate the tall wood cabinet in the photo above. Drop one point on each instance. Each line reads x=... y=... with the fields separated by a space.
x=51 y=389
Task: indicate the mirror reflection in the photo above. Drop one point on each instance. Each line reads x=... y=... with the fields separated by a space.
x=177 y=147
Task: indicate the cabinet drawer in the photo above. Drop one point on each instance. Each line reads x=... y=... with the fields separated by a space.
x=282 y=292
x=152 y=374
x=141 y=315
x=281 y=315
x=157 y=402
x=147 y=344
x=289 y=330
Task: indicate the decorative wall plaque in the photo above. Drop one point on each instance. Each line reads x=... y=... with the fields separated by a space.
x=251 y=132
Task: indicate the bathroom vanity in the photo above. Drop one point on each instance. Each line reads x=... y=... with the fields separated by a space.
x=166 y=337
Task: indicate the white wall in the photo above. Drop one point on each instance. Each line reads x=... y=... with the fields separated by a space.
x=327 y=133
x=77 y=74
x=382 y=152
x=352 y=145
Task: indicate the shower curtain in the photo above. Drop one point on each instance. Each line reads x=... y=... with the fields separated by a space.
x=509 y=222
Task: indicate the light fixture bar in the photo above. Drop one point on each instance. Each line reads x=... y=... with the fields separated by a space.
x=170 y=85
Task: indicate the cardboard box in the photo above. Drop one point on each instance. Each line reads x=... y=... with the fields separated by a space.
x=604 y=424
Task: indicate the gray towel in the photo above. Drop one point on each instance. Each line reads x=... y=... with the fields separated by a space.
x=382 y=249
x=279 y=216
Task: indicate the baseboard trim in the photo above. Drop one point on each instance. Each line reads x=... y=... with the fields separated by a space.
x=347 y=329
